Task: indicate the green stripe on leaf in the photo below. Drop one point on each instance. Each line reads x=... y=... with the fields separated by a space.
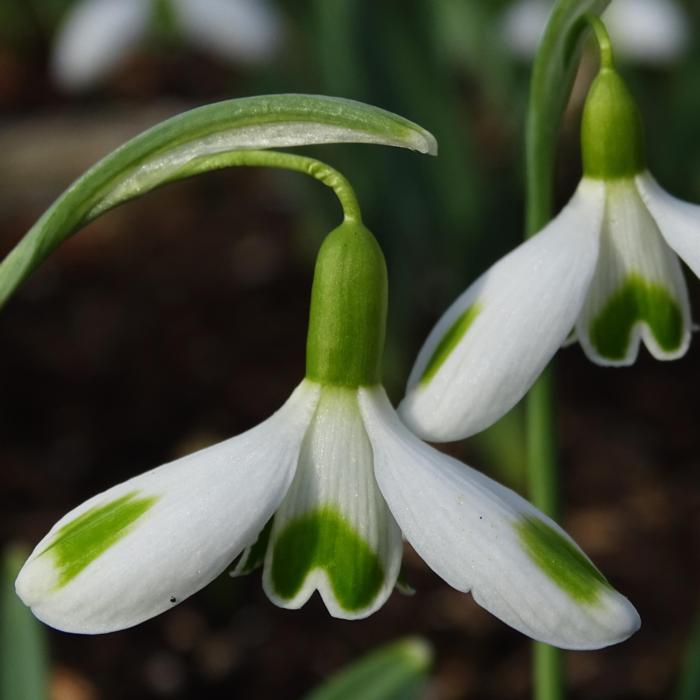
x=560 y=560
x=324 y=540
x=78 y=543
x=449 y=342
x=637 y=301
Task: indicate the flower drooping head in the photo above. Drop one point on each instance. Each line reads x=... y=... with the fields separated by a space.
x=606 y=267
x=322 y=494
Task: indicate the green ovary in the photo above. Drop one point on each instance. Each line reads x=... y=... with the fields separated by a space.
x=560 y=560
x=324 y=540
x=81 y=541
x=637 y=301
x=449 y=342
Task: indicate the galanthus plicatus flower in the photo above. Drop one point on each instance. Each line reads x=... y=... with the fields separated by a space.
x=97 y=35
x=605 y=266
x=648 y=31
x=321 y=494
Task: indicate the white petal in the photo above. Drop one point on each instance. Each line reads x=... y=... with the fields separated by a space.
x=333 y=532
x=95 y=38
x=516 y=317
x=193 y=516
x=474 y=533
x=650 y=31
x=523 y=24
x=637 y=291
x=236 y=30
x=678 y=221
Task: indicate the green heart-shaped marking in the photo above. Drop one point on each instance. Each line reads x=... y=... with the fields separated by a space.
x=323 y=539
x=637 y=301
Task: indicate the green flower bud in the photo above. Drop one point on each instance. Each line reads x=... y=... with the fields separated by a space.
x=612 y=144
x=348 y=309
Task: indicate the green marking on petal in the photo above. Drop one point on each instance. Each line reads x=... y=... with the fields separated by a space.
x=637 y=301
x=324 y=540
x=81 y=541
x=568 y=567
x=449 y=341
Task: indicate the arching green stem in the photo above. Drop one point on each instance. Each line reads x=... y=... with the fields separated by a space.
x=284 y=161
x=552 y=76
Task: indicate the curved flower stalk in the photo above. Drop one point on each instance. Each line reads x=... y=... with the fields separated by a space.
x=605 y=267
x=321 y=494
x=97 y=35
x=647 y=31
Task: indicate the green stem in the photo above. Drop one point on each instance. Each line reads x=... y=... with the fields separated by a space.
x=552 y=77
x=603 y=39
x=285 y=161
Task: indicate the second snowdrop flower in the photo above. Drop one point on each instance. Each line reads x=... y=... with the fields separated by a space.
x=605 y=266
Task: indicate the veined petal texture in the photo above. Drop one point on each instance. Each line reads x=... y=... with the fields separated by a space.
x=492 y=343
x=638 y=290
x=678 y=221
x=142 y=546
x=95 y=37
x=334 y=533
x=482 y=537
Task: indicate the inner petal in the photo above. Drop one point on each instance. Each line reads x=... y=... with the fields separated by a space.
x=638 y=290
x=333 y=532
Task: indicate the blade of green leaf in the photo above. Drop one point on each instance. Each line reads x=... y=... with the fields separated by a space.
x=397 y=671
x=163 y=153
x=689 y=681
x=23 y=656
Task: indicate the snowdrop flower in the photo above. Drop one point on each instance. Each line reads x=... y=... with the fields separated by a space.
x=344 y=480
x=605 y=266
x=97 y=35
x=648 y=31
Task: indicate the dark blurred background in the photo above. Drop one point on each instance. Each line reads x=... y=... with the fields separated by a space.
x=180 y=319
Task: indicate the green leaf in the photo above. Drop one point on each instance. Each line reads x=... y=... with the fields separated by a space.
x=397 y=671
x=23 y=656
x=195 y=142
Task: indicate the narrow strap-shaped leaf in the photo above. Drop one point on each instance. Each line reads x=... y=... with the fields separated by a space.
x=23 y=653
x=397 y=671
x=163 y=153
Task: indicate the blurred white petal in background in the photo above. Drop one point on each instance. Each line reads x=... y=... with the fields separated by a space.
x=98 y=35
x=648 y=31
x=234 y=30
x=95 y=38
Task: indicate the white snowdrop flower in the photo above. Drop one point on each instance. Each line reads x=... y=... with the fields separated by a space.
x=606 y=266
x=647 y=31
x=97 y=35
x=320 y=494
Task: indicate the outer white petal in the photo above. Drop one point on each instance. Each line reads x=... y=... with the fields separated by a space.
x=236 y=30
x=522 y=308
x=650 y=31
x=95 y=38
x=207 y=507
x=678 y=221
x=346 y=543
x=638 y=286
x=465 y=526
